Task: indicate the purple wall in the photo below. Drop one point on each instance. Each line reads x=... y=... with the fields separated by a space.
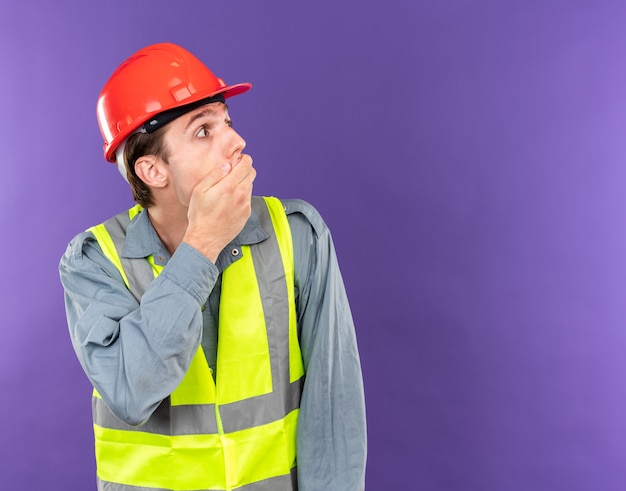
x=469 y=158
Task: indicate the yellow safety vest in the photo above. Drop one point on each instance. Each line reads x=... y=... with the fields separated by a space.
x=239 y=430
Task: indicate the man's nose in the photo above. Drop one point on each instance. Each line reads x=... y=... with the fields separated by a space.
x=237 y=143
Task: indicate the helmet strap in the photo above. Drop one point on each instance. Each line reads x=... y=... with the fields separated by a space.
x=165 y=117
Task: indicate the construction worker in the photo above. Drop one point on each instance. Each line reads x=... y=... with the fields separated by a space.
x=213 y=325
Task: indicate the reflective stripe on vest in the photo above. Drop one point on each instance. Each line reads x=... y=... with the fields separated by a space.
x=271 y=484
x=241 y=432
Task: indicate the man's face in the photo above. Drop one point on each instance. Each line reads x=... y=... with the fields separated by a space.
x=198 y=142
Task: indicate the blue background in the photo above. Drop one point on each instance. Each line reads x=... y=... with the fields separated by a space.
x=469 y=159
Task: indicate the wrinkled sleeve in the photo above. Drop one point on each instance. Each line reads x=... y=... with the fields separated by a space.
x=134 y=354
x=331 y=440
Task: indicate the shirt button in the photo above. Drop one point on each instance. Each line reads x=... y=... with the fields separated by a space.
x=235 y=252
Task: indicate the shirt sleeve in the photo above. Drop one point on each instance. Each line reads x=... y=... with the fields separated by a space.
x=134 y=354
x=331 y=441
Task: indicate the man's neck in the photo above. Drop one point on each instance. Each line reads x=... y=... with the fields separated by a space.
x=170 y=224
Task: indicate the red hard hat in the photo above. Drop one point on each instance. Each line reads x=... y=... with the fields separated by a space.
x=155 y=79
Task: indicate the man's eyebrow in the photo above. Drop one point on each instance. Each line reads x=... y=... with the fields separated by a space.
x=202 y=114
x=209 y=110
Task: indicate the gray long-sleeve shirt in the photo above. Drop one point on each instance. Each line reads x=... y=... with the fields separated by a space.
x=136 y=354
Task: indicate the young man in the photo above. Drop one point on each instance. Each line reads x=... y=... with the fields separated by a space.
x=213 y=325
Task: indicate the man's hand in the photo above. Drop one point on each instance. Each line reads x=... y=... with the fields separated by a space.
x=219 y=207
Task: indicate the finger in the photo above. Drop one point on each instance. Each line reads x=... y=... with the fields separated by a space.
x=249 y=178
x=243 y=165
x=242 y=171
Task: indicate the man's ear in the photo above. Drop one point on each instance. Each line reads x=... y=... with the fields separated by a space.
x=152 y=171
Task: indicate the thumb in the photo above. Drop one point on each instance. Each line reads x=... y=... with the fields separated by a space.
x=215 y=175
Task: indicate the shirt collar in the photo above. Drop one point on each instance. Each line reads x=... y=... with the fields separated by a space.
x=143 y=241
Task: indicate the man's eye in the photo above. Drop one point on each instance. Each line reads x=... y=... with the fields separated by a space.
x=202 y=132
x=229 y=122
